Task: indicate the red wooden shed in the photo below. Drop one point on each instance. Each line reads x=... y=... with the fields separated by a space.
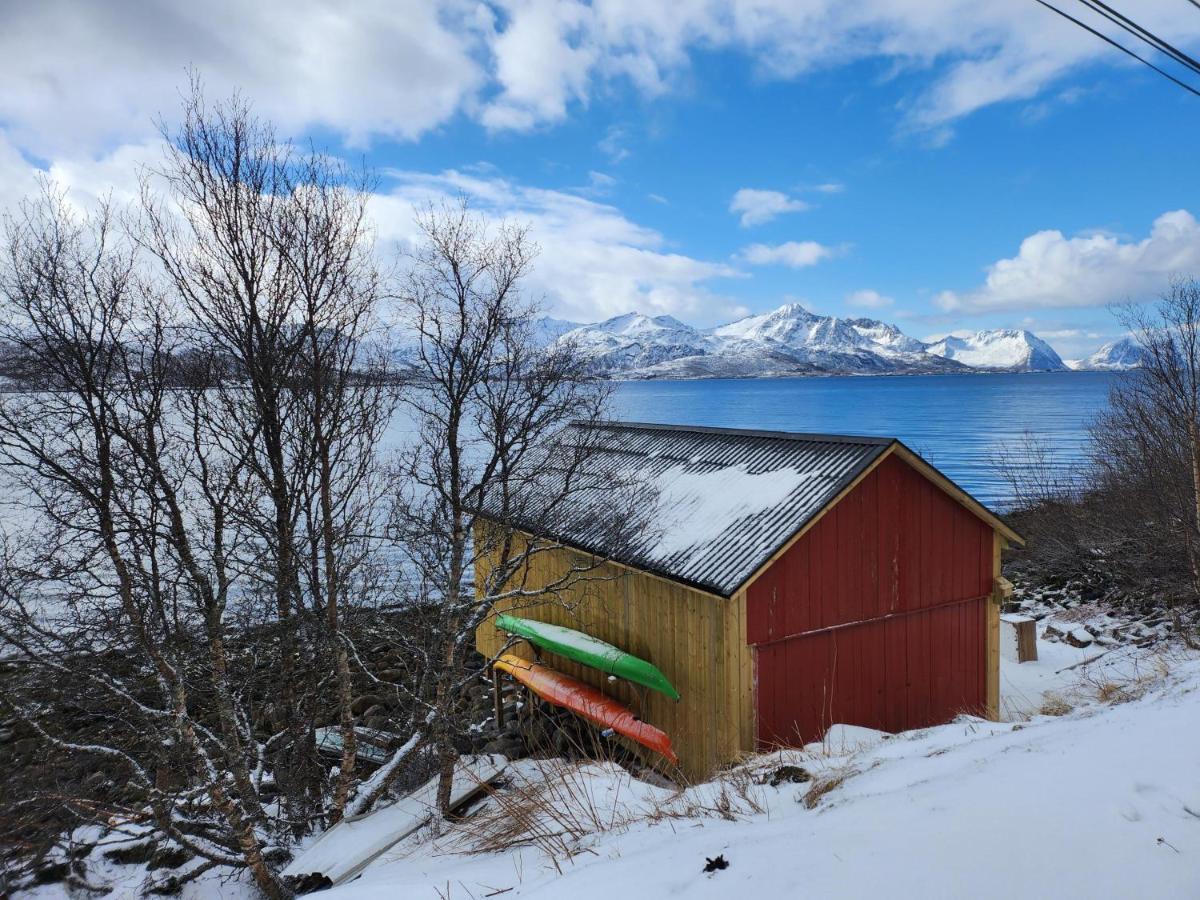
x=792 y=581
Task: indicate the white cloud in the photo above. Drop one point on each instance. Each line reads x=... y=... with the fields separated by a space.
x=976 y=54
x=612 y=144
x=1052 y=270
x=794 y=254
x=18 y=179
x=757 y=207
x=81 y=78
x=543 y=61
x=868 y=299
x=594 y=262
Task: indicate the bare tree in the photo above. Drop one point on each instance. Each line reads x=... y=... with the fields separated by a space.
x=269 y=253
x=201 y=480
x=491 y=467
x=1148 y=443
x=117 y=589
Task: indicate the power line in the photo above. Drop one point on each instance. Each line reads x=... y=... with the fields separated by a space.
x=1104 y=37
x=1142 y=34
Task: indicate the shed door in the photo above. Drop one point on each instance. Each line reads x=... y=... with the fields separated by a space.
x=900 y=671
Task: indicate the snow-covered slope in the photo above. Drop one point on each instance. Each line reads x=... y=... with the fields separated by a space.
x=1115 y=356
x=788 y=340
x=1003 y=349
x=546 y=330
x=1100 y=802
x=634 y=341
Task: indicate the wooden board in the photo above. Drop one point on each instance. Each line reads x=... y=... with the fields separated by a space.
x=992 y=633
x=351 y=845
x=1018 y=638
x=685 y=633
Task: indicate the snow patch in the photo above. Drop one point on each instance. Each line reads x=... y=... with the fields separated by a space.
x=696 y=507
x=1002 y=349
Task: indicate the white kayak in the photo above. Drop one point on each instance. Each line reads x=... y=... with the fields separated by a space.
x=351 y=845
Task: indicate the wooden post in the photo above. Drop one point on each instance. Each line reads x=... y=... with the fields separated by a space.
x=497 y=699
x=1018 y=640
x=992 y=632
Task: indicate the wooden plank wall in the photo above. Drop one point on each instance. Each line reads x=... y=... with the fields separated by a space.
x=877 y=615
x=698 y=640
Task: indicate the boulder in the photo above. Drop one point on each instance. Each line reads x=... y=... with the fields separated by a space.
x=1079 y=637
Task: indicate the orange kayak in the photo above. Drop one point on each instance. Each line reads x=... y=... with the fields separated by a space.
x=584 y=700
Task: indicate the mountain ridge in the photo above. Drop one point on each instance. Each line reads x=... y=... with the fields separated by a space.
x=792 y=340
x=1119 y=355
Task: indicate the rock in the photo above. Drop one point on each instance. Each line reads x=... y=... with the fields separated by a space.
x=277 y=856
x=50 y=872
x=563 y=745
x=365 y=702
x=787 y=775
x=1079 y=637
x=26 y=746
x=131 y=854
x=309 y=882
x=168 y=858
x=510 y=748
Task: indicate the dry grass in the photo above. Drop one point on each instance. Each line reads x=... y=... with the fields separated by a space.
x=551 y=809
x=824 y=783
x=1054 y=704
x=1111 y=686
x=734 y=794
x=555 y=805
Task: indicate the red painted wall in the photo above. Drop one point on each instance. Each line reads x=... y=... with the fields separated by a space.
x=892 y=563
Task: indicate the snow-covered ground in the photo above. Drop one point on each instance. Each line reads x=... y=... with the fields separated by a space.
x=1100 y=800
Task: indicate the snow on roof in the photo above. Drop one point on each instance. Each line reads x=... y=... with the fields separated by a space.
x=724 y=499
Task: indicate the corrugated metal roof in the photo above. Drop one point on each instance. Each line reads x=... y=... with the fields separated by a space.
x=724 y=500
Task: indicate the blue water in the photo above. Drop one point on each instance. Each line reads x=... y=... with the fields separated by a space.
x=957 y=422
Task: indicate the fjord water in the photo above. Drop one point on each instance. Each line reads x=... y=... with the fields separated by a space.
x=957 y=422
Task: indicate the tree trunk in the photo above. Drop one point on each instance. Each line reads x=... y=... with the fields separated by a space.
x=447 y=760
x=1194 y=527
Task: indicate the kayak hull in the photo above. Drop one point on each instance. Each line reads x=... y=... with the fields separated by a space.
x=589 y=651
x=587 y=702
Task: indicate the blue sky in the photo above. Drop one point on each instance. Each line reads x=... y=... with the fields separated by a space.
x=942 y=164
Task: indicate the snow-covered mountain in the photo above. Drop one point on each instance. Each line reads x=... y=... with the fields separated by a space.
x=788 y=340
x=1000 y=350
x=547 y=330
x=1115 y=356
x=633 y=341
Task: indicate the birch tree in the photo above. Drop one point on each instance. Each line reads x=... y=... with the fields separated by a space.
x=491 y=467
x=1148 y=443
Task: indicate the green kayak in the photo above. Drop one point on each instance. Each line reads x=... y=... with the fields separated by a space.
x=583 y=648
